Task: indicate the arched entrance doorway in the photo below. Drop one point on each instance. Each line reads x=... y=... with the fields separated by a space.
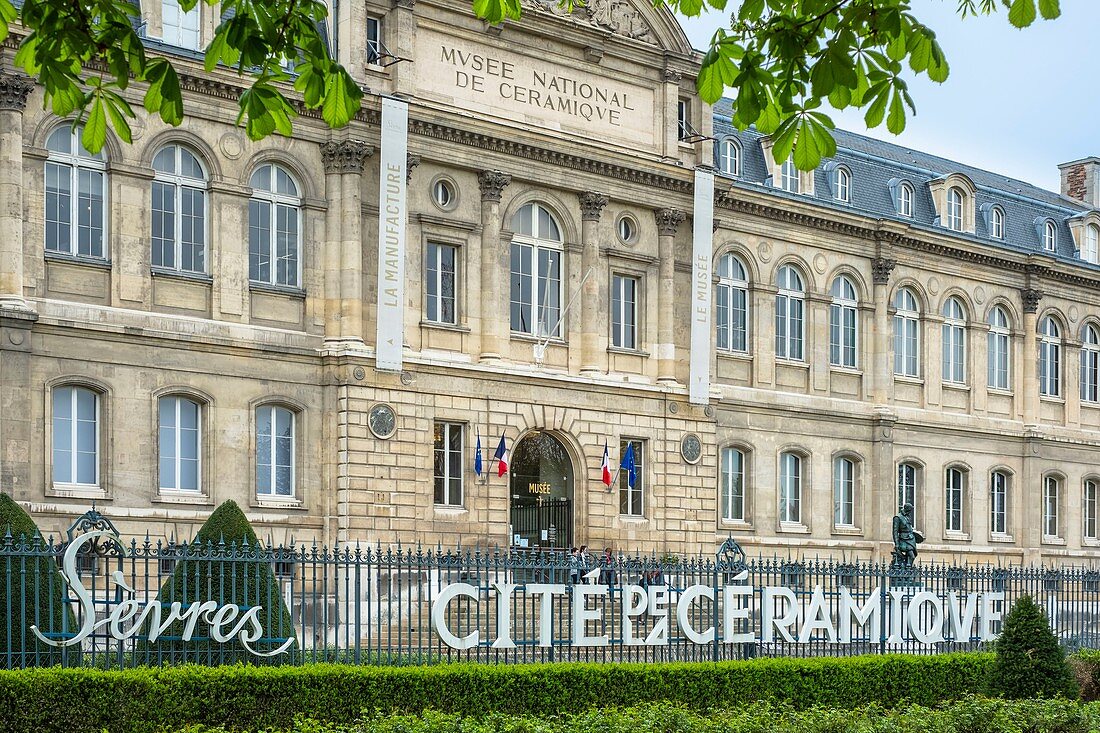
x=541 y=492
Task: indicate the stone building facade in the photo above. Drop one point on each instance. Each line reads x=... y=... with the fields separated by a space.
x=193 y=317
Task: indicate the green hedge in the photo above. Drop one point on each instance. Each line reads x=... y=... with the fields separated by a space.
x=252 y=698
x=971 y=715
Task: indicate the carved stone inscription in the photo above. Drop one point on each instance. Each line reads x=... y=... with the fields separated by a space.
x=507 y=84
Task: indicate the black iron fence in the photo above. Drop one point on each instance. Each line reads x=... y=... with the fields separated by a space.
x=96 y=600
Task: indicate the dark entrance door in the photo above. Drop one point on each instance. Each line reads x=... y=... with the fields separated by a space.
x=541 y=489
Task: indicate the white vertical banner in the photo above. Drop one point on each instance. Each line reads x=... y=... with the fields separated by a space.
x=702 y=249
x=392 y=182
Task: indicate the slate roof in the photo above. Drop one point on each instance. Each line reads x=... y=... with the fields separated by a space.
x=874 y=163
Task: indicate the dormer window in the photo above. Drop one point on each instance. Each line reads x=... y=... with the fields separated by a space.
x=997 y=223
x=1050 y=236
x=179 y=27
x=729 y=157
x=1090 y=251
x=955 y=200
x=788 y=177
x=905 y=200
x=842 y=185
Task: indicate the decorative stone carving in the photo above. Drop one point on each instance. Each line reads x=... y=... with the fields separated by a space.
x=345 y=156
x=616 y=16
x=411 y=162
x=715 y=224
x=592 y=204
x=1031 y=298
x=881 y=269
x=406 y=4
x=672 y=76
x=668 y=220
x=14 y=90
x=492 y=184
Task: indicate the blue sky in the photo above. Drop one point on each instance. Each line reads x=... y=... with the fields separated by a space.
x=1017 y=102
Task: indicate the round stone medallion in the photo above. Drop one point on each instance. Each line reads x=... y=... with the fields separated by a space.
x=382 y=421
x=690 y=448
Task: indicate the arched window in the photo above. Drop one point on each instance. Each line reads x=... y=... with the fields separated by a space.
x=908 y=474
x=955 y=200
x=789 y=308
x=843 y=323
x=1090 y=252
x=955 y=488
x=536 y=272
x=842 y=184
x=790 y=488
x=180 y=27
x=732 y=300
x=1050 y=236
x=998 y=502
x=274 y=228
x=1000 y=348
x=180 y=444
x=275 y=451
x=997 y=223
x=729 y=157
x=1088 y=509
x=844 y=492
x=733 y=485
x=76 y=188
x=906 y=333
x=1090 y=363
x=1050 y=357
x=179 y=210
x=1052 y=495
x=954 y=342
x=75 y=435
x=905 y=200
x=788 y=177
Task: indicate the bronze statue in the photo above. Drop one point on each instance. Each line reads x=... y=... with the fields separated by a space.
x=906 y=537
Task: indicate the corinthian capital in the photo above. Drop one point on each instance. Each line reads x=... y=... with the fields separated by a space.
x=492 y=184
x=14 y=90
x=411 y=162
x=345 y=156
x=668 y=220
x=881 y=269
x=592 y=204
x=1031 y=298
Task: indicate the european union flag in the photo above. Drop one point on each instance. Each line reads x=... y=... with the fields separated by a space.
x=627 y=464
x=477 y=455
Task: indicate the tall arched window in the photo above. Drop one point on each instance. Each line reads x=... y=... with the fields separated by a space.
x=180 y=443
x=536 y=272
x=1050 y=236
x=907 y=486
x=729 y=157
x=788 y=177
x=790 y=305
x=906 y=333
x=1052 y=495
x=75 y=436
x=842 y=184
x=732 y=301
x=274 y=228
x=1090 y=363
x=1090 y=252
x=1089 y=509
x=905 y=200
x=275 y=451
x=844 y=492
x=843 y=323
x=998 y=502
x=790 y=488
x=954 y=491
x=179 y=210
x=1000 y=348
x=997 y=223
x=76 y=188
x=955 y=200
x=954 y=342
x=1050 y=357
x=733 y=485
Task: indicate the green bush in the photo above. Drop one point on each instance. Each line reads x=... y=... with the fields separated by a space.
x=254 y=698
x=37 y=596
x=1086 y=666
x=1029 y=661
x=244 y=582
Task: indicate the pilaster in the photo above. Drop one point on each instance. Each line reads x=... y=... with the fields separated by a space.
x=14 y=90
x=592 y=205
x=668 y=222
x=1029 y=382
x=494 y=262
x=881 y=368
x=343 y=161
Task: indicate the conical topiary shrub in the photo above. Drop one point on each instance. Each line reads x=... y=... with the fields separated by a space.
x=1030 y=662
x=224 y=563
x=37 y=595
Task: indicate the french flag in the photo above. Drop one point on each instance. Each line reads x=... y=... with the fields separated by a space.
x=502 y=457
x=605 y=467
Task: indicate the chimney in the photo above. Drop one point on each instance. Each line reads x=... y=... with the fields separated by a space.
x=1081 y=181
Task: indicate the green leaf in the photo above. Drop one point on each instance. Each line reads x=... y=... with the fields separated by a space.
x=8 y=14
x=895 y=121
x=1049 y=9
x=1022 y=13
x=95 y=127
x=342 y=99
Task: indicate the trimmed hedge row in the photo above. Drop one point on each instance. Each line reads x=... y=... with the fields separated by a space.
x=971 y=715
x=252 y=698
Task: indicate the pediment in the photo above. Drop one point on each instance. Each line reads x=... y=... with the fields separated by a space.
x=655 y=26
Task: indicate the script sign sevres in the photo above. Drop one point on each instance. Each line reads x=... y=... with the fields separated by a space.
x=129 y=618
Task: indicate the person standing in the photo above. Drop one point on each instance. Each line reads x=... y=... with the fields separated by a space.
x=574 y=566
x=585 y=562
x=607 y=572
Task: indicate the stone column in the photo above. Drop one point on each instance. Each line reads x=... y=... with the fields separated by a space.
x=668 y=221
x=1071 y=368
x=977 y=334
x=592 y=205
x=14 y=91
x=344 y=238
x=763 y=320
x=671 y=93
x=881 y=371
x=932 y=342
x=1029 y=384
x=494 y=265
x=816 y=346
